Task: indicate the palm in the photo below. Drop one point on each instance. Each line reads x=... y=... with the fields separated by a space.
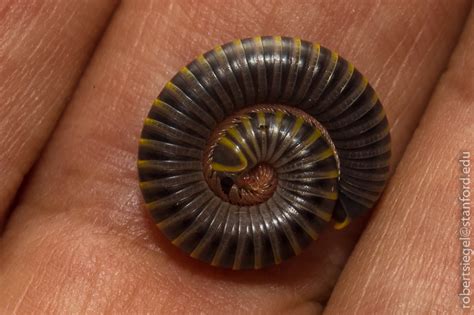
x=78 y=238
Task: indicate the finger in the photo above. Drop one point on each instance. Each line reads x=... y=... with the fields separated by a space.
x=97 y=223
x=410 y=255
x=44 y=47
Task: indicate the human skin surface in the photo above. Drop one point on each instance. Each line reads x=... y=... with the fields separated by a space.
x=78 y=79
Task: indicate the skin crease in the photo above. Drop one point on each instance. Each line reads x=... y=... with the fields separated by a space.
x=79 y=239
x=400 y=271
x=44 y=47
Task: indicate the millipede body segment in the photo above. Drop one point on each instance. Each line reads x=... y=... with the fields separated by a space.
x=254 y=147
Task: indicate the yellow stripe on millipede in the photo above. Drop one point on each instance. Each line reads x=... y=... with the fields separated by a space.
x=297 y=40
x=331 y=195
x=317 y=47
x=202 y=59
x=297 y=126
x=248 y=127
x=237 y=136
x=343 y=224
x=257 y=40
x=158 y=103
x=330 y=174
x=151 y=122
x=334 y=58
x=219 y=49
x=311 y=139
x=324 y=155
x=349 y=71
x=186 y=72
x=226 y=168
x=237 y=42
x=277 y=40
x=170 y=86
x=145 y=142
x=278 y=118
x=180 y=239
x=261 y=118
x=374 y=98
x=323 y=215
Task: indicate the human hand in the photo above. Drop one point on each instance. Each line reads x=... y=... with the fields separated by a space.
x=78 y=239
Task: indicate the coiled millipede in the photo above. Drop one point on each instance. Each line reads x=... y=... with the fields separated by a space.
x=251 y=149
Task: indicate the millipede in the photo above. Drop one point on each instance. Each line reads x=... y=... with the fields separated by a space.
x=256 y=146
